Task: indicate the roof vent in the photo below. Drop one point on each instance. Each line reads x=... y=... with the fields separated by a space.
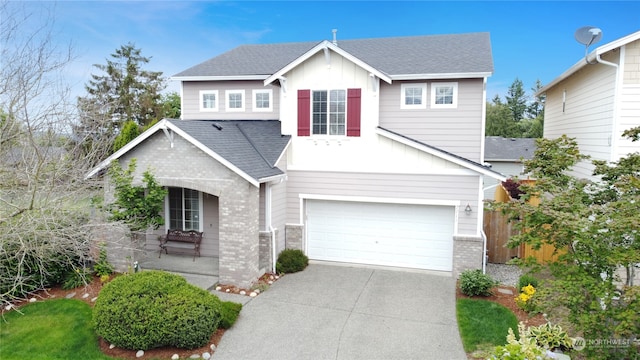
x=217 y=126
x=335 y=37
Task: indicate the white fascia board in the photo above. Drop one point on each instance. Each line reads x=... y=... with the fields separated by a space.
x=133 y=143
x=373 y=199
x=284 y=151
x=320 y=47
x=582 y=63
x=165 y=124
x=439 y=76
x=274 y=178
x=451 y=172
x=478 y=169
x=219 y=78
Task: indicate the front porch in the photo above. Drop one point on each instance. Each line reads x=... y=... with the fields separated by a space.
x=203 y=272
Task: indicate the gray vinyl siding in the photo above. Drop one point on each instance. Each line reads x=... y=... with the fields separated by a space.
x=403 y=186
x=588 y=112
x=457 y=130
x=191 y=100
x=279 y=207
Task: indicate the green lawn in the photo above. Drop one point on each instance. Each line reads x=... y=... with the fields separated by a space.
x=483 y=322
x=52 y=329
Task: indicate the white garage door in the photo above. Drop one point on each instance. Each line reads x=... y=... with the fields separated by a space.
x=414 y=236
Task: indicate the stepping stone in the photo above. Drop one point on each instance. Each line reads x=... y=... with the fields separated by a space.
x=505 y=291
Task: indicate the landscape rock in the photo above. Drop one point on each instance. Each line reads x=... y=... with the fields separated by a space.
x=8 y=307
x=32 y=300
x=253 y=294
x=194 y=356
x=175 y=357
x=111 y=346
x=94 y=299
x=218 y=288
x=140 y=353
x=206 y=355
x=85 y=296
x=70 y=295
x=213 y=347
x=242 y=292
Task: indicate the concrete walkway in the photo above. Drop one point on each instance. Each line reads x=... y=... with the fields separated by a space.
x=338 y=312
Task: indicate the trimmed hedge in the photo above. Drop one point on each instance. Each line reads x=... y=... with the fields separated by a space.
x=229 y=312
x=291 y=260
x=153 y=309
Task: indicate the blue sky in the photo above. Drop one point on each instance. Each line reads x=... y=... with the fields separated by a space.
x=530 y=40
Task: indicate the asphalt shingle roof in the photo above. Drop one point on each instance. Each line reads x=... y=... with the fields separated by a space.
x=432 y=54
x=253 y=146
x=500 y=148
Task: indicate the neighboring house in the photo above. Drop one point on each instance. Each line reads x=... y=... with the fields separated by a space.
x=596 y=102
x=505 y=156
x=363 y=151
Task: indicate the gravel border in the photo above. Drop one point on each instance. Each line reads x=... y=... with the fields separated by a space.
x=505 y=274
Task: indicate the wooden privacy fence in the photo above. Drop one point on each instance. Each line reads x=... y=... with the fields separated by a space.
x=499 y=230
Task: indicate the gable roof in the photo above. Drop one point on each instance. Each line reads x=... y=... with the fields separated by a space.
x=497 y=148
x=411 y=57
x=456 y=159
x=250 y=148
x=594 y=55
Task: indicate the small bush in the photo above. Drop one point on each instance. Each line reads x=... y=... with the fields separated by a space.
x=474 y=283
x=229 y=312
x=291 y=260
x=527 y=279
x=102 y=266
x=151 y=309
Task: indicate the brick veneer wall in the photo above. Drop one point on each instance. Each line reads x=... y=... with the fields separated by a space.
x=293 y=236
x=184 y=165
x=467 y=254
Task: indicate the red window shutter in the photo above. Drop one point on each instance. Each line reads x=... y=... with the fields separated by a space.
x=304 y=112
x=353 y=112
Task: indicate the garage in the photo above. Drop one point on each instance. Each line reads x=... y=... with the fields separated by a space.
x=404 y=235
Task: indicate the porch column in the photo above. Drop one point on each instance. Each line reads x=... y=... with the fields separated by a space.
x=239 y=258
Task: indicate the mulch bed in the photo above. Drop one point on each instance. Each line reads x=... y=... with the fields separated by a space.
x=91 y=291
x=507 y=300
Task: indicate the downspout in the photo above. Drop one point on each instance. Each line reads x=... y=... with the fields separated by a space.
x=272 y=231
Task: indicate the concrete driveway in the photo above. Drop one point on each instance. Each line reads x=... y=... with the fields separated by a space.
x=340 y=312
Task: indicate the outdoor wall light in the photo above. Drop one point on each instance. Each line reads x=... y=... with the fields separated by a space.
x=467 y=209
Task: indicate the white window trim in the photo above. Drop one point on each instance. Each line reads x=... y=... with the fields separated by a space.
x=346 y=111
x=167 y=215
x=403 y=104
x=206 y=92
x=454 y=103
x=255 y=102
x=228 y=93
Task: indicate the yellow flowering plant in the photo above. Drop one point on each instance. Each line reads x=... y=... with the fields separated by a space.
x=525 y=300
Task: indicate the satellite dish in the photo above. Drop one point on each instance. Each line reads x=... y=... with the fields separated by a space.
x=586 y=36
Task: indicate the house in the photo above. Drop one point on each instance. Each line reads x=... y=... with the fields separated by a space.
x=596 y=100
x=359 y=151
x=505 y=155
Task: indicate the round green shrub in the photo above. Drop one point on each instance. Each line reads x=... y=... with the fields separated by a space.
x=291 y=260
x=154 y=308
x=527 y=279
x=475 y=283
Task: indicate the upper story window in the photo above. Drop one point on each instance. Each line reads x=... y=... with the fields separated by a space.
x=262 y=100
x=235 y=100
x=209 y=100
x=444 y=95
x=413 y=96
x=329 y=112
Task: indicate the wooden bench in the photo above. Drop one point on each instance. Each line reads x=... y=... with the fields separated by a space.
x=181 y=240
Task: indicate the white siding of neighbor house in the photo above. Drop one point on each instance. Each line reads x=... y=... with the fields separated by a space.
x=629 y=114
x=457 y=130
x=588 y=113
x=191 y=101
x=402 y=187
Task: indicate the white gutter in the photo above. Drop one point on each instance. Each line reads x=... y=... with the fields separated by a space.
x=616 y=91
